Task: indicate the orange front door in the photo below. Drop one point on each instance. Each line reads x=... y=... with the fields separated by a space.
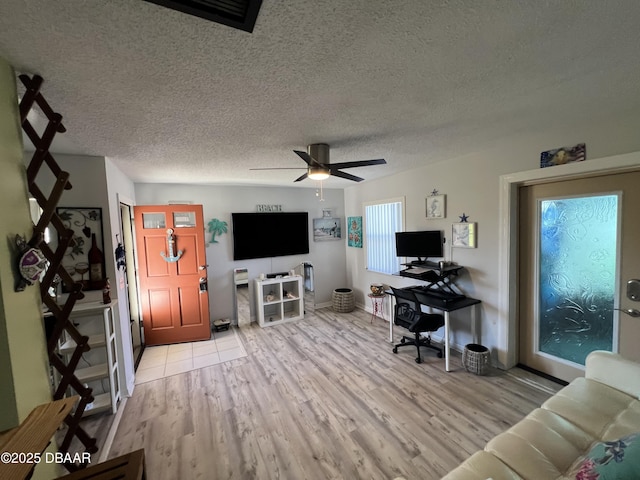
x=173 y=272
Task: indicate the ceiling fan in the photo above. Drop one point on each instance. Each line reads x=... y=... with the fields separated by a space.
x=318 y=167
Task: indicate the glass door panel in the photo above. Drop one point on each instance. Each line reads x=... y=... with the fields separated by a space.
x=154 y=220
x=577 y=275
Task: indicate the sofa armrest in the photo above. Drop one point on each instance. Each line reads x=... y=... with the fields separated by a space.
x=615 y=371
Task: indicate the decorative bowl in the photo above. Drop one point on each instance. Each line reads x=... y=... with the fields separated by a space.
x=377 y=288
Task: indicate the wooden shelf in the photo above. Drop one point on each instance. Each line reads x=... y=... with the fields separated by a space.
x=105 y=344
x=101 y=403
x=95 y=372
x=70 y=345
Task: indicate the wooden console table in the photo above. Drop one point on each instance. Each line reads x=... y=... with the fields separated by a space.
x=32 y=436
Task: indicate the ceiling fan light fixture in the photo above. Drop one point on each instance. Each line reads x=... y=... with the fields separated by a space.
x=318 y=173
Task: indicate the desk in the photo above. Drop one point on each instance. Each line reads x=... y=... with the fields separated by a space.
x=445 y=306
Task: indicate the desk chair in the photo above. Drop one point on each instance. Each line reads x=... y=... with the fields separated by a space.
x=408 y=315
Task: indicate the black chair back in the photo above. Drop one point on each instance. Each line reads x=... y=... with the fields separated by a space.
x=406 y=297
x=408 y=313
x=407 y=307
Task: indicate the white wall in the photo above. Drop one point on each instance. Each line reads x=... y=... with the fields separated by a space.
x=328 y=258
x=97 y=182
x=120 y=189
x=471 y=184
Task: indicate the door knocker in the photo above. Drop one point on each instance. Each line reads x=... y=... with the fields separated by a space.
x=171 y=240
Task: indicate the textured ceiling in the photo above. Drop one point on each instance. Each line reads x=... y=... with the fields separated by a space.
x=174 y=98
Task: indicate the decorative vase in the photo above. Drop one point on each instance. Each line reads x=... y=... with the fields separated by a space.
x=377 y=289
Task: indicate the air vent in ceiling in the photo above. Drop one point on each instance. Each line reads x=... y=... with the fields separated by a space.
x=240 y=14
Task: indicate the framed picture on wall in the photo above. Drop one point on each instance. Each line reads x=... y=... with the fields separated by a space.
x=354 y=228
x=326 y=228
x=84 y=258
x=436 y=206
x=464 y=235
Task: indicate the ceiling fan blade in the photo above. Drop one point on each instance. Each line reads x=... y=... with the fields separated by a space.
x=348 y=176
x=280 y=168
x=306 y=157
x=360 y=163
x=301 y=177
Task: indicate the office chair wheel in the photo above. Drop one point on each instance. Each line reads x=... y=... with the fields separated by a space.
x=402 y=340
x=439 y=354
x=418 y=360
x=395 y=349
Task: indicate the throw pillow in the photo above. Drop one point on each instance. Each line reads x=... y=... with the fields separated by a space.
x=615 y=460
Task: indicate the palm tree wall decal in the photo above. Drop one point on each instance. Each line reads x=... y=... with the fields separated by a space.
x=216 y=227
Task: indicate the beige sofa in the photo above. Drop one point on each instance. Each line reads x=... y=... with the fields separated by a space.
x=564 y=439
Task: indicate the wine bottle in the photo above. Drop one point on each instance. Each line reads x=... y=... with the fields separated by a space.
x=106 y=292
x=96 y=260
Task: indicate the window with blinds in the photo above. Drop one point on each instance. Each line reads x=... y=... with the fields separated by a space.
x=382 y=221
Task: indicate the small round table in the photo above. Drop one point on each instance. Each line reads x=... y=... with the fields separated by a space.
x=377 y=304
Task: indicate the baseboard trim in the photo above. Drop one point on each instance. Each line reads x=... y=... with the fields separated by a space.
x=106 y=448
x=542 y=374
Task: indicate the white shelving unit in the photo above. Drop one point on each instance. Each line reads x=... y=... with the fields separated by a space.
x=279 y=300
x=105 y=342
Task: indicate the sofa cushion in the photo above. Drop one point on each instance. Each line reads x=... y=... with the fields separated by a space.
x=480 y=466
x=590 y=405
x=615 y=460
x=627 y=422
x=543 y=445
x=615 y=371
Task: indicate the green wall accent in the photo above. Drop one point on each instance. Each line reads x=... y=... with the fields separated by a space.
x=24 y=377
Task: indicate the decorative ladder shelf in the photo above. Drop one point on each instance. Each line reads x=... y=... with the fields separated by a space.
x=42 y=157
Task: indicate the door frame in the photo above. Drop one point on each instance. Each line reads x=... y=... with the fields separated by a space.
x=507 y=344
x=131 y=271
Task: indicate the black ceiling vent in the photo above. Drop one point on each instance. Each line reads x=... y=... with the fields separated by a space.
x=240 y=14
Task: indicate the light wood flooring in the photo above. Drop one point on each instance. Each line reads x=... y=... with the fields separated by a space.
x=322 y=398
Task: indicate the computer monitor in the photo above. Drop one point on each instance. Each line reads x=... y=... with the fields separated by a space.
x=424 y=244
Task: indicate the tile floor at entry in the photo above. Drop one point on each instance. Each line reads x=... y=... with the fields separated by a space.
x=166 y=360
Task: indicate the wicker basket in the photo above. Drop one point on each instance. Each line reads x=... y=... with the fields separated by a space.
x=475 y=358
x=343 y=300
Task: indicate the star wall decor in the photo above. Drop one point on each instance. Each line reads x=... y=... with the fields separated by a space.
x=464 y=218
x=434 y=192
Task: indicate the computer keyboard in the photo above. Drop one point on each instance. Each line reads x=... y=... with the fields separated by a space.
x=446 y=296
x=418 y=270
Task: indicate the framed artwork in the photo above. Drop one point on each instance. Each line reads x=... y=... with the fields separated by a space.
x=354 y=238
x=563 y=155
x=326 y=228
x=436 y=207
x=464 y=235
x=84 y=259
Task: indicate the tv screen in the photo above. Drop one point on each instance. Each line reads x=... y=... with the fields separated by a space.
x=264 y=235
x=425 y=244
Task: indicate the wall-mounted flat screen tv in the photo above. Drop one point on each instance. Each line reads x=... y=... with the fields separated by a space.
x=423 y=245
x=264 y=235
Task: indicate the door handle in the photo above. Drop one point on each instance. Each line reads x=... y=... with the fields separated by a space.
x=632 y=312
x=633 y=290
x=203 y=267
x=203 y=285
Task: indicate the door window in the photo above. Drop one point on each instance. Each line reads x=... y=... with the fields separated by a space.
x=577 y=275
x=184 y=219
x=154 y=220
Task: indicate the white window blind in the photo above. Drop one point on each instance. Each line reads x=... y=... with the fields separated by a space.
x=382 y=221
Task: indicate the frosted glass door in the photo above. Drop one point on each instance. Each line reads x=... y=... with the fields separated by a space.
x=578 y=246
x=577 y=275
